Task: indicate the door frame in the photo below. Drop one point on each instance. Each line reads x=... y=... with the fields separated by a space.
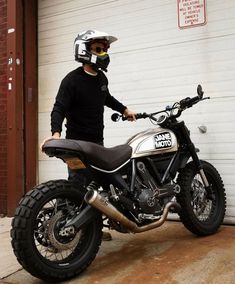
x=22 y=100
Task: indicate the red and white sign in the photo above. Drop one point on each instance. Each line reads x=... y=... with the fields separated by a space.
x=191 y=13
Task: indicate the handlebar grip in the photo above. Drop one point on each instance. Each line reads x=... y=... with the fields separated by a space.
x=188 y=102
x=194 y=100
x=137 y=116
x=141 y=115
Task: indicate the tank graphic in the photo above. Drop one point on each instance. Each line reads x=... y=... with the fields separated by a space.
x=153 y=142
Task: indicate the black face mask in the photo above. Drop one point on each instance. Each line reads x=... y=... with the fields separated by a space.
x=102 y=62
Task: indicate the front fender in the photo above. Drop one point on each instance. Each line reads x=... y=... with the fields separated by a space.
x=184 y=157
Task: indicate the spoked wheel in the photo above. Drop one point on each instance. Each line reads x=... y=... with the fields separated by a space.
x=202 y=206
x=42 y=245
x=202 y=212
x=52 y=241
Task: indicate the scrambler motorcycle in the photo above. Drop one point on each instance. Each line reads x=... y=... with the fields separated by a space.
x=57 y=229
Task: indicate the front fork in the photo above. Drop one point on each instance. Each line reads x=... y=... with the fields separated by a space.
x=204 y=179
x=209 y=193
x=197 y=162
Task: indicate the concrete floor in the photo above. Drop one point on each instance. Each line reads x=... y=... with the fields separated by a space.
x=168 y=255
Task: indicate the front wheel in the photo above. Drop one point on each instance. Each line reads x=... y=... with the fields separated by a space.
x=200 y=214
x=41 y=244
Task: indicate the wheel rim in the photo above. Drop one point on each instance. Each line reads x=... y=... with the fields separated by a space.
x=203 y=207
x=54 y=243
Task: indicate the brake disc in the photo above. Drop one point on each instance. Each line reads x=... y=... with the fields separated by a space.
x=62 y=239
x=200 y=200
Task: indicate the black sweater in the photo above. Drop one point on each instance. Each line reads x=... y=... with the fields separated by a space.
x=81 y=99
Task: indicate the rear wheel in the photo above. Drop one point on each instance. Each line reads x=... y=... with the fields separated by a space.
x=201 y=214
x=41 y=244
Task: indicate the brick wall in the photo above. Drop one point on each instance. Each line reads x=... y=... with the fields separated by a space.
x=3 y=106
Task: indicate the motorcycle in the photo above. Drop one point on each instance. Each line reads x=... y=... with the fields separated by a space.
x=57 y=228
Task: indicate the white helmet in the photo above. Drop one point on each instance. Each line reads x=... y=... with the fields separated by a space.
x=82 y=48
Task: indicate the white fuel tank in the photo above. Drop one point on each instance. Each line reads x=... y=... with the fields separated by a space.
x=153 y=142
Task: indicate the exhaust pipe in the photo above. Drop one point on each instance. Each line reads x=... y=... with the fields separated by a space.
x=99 y=202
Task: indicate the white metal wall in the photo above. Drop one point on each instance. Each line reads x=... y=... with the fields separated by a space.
x=153 y=64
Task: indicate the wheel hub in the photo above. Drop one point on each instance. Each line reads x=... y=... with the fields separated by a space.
x=61 y=239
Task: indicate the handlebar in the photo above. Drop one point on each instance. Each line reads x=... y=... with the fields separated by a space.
x=188 y=102
x=115 y=116
x=180 y=106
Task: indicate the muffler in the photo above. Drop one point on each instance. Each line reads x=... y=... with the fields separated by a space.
x=99 y=202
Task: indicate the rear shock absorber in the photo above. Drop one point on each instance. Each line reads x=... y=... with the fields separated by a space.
x=93 y=185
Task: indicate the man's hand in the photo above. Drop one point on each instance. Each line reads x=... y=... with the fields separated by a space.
x=56 y=135
x=129 y=114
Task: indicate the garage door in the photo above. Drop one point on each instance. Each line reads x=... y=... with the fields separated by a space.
x=153 y=64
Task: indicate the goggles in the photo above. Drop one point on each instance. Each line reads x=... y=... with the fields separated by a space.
x=100 y=50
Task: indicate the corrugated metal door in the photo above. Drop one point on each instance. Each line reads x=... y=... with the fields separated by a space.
x=153 y=64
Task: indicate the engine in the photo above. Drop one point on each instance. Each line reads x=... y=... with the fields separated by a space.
x=148 y=203
x=150 y=197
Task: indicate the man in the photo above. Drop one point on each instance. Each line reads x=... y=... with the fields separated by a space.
x=83 y=93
